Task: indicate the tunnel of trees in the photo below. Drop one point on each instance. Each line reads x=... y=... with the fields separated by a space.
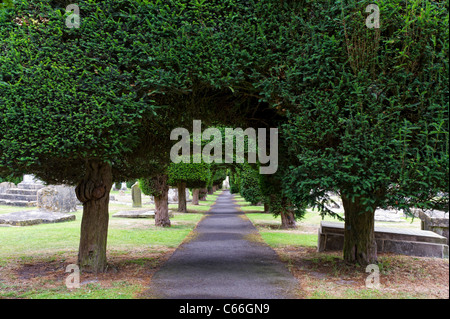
x=361 y=112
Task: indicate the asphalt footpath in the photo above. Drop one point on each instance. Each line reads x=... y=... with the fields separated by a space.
x=224 y=259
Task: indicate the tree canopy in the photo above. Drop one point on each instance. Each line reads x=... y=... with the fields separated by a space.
x=361 y=111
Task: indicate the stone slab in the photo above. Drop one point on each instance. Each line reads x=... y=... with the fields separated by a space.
x=34 y=217
x=410 y=242
x=135 y=214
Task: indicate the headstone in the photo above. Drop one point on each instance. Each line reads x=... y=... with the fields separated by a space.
x=187 y=195
x=57 y=198
x=173 y=195
x=124 y=186
x=435 y=221
x=30 y=182
x=136 y=195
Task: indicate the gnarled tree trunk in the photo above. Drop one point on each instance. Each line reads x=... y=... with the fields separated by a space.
x=93 y=192
x=161 y=201
x=287 y=219
x=195 y=194
x=359 y=233
x=182 y=197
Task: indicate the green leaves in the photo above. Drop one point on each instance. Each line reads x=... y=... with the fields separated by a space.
x=361 y=123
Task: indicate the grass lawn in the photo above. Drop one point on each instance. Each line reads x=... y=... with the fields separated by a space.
x=33 y=259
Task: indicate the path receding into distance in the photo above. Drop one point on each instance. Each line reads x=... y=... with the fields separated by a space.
x=223 y=260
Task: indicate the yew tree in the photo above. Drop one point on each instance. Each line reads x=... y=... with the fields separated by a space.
x=367 y=112
x=188 y=175
x=91 y=104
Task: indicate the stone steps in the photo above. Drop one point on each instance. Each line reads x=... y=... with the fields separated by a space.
x=21 y=191
x=20 y=203
x=30 y=186
x=20 y=197
x=24 y=194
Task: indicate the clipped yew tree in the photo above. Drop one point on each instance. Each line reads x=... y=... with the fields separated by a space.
x=158 y=187
x=91 y=103
x=367 y=112
x=76 y=106
x=249 y=186
x=190 y=175
x=69 y=110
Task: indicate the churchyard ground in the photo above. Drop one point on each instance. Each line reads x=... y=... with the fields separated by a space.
x=33 y=259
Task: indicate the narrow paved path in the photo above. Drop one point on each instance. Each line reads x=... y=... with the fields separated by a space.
x=223 y=260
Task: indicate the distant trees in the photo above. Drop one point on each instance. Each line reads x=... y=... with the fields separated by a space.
x=190 y=175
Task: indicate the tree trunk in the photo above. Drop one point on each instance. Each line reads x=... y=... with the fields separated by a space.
x=182 y=197
x=162 y=201
x=202 y=194
x=211 y=190
x=266 y=207
x=287 y=219
x=93 y=192
x=195 y=193
x=359 y=233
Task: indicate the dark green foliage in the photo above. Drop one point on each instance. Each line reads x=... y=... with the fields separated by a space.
x=234 y=182
x=195 y=175
x=131 y=183
x=362 y=112
x=113 y=89
x=368 y=108
x=149 y=187
x=15 y=180
x=218 y=177
x=249 y=185
x=65 y=95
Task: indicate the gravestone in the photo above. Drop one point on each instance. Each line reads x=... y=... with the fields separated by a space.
x=34 y=217
x=435 y=221
x=57 y=198
x=30 y=182
x=24 y=194
x=5 y=186
x=135 y=214
x=411 y=242
x=172 y=196
x=136 y=195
